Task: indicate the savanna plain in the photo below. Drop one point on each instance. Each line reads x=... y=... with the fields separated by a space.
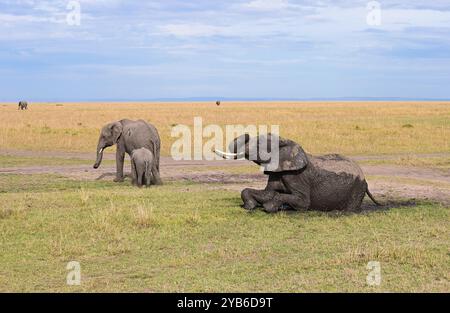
x=190 y=234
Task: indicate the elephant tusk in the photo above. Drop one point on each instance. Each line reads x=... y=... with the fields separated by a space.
x=229 y=155
x=101 y=150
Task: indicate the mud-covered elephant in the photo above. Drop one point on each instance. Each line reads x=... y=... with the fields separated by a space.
x=129 y=135
x=298 y=180
x=23 y=105
x=141 y=167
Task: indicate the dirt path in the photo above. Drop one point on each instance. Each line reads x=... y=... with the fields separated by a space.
x=111 y=155
x=385 y=181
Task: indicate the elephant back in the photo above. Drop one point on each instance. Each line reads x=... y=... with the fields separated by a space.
x=140 y=134
x=338 y=164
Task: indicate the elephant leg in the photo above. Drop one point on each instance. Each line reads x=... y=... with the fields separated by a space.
x=157 y=161
x=356 y=197
x=273 y=201
x=120 y=156
x=155 y=172
x=148 y=177
x=156 y=179
x=297 y=202
x=158 y=156
x=139 y=179
x=253 y=197
x=247 y=196
x=148 y=174
x=133 y=173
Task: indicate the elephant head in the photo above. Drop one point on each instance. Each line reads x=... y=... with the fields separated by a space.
x=274 y=153
x=109 y=136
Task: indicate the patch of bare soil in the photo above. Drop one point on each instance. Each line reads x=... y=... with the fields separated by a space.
x=385 y=191
x=408 y=172
x=109 y=155
x=53 y=154
x=419 y=184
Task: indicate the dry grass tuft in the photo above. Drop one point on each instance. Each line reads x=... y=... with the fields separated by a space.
x=6 y=212
x=194 y=218
x=84 y=195
x=144 y=216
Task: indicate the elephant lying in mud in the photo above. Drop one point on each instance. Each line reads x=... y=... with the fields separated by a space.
x=298 y=180
x=141 y=166
x=130 y=135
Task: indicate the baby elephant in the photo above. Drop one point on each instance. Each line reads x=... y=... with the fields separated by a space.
x=141 y=166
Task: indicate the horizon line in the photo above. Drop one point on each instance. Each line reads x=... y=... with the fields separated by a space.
x=188 y=99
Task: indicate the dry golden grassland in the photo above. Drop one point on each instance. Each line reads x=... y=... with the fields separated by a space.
x=321 y=127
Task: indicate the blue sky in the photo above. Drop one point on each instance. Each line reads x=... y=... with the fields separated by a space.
x=137 y=50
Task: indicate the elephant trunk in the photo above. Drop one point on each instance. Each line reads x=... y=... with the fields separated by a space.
x=99 y=157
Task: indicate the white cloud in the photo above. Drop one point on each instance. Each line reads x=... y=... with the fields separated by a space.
x=319 y=25
x=193 y=30
x=266 y=5
x=329 y=23
x=17 y=19
x=395 y=19
x=101 y=3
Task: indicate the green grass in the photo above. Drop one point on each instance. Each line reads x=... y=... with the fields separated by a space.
x=189 y=237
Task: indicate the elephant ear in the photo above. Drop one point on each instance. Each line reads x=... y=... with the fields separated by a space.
x=116 y=131
x=291 y=157
x=237 y=144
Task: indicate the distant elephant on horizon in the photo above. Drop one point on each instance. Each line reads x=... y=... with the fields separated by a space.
x=130 y=135
x=299 y=181
x=23 y=105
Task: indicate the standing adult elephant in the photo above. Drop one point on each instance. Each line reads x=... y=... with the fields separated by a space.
x=298 y=180
x=129 y=135
x=23 y=105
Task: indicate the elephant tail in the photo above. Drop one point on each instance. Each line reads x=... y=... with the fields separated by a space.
x=371 y=197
